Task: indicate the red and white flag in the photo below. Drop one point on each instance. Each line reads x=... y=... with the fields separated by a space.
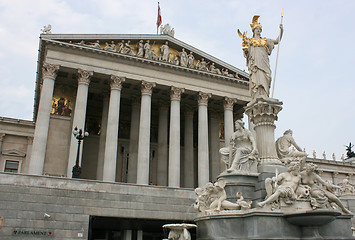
x=159 y=20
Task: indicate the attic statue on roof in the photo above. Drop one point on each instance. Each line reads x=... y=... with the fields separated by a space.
x=256 y=51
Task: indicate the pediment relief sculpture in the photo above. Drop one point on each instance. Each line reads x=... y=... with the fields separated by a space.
x=159 y=52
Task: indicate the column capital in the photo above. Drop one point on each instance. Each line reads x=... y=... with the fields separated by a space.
x=147 y=87
x=175 y=93
x=202 y=98
x=2 y=135
x=229 y=103
x=116 y=82
x=84 y=76
x=50 y=70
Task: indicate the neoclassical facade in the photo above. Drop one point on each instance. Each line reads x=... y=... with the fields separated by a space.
x=157 y=111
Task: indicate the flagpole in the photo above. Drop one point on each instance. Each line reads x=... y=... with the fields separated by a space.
x=277 y=57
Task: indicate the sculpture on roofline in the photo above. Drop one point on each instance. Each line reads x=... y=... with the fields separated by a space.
x=256 y=51
x=241 y=152
x=166 y=29
x=283 y=150
x=165 y=52
x=140 y=47
x=47 y=29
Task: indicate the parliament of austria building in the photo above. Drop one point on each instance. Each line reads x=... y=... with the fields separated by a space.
x=157 y=111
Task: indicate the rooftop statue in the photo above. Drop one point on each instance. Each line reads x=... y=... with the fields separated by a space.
x=242 y=150
x=349 y=152
x=47 y=29
x=166 y=29
x=257 y=51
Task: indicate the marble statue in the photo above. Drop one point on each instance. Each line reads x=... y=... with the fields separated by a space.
x=147 y=50
x=256 y=51
x=333 y=156
x=213 y=197
x=47 y=29
x=183 y=58
x=314 y=154
x=127 y=49
x=324 y=156
x=342 y=157
x=190 y=60
x=166 y=29
x=283 y=150
x=95 y=44
x=287 y=189
x=165 y=52
x=110 y=47
x=179 y=231
x=346 y=187
x=320 y=196
x=241 y=152
x=175 y=60
x=213 y=69
x=202 y=65
x=140 y=47
x=120 y=46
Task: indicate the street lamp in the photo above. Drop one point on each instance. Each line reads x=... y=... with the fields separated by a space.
x=78 y=134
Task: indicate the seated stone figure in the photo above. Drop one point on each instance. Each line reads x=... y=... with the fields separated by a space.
x=242 y=150
x=284 y=152
x=287 y=190
x=320 y=196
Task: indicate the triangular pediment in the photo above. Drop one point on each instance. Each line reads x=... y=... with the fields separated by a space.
x=149 y=48
x=13 y=153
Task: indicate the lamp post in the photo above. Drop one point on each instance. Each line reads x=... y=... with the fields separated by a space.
x=78 y=134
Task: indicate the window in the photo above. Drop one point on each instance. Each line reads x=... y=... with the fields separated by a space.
x=11 y=166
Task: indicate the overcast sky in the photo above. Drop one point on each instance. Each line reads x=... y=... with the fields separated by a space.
x=315 y=73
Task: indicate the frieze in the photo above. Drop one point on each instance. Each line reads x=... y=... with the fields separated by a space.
x=159 y=52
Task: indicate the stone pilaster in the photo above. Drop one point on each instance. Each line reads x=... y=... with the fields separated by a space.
x=203 y=156
x=144 y=133
x=263 y=113
x=174 y=137
x=162 y=166
x=79 y=116
x=110 y=159
x=49 y=73
x=228 y=119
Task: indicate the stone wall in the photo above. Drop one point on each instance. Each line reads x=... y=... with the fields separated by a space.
x=24 y=200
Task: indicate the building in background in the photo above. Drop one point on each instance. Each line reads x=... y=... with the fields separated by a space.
x=157 y=111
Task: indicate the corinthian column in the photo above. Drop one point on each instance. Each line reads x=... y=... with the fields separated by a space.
x=203 y=158
x=144 y=134
x=102 y=141
x=228 y=119
x=112 y=129
x=79 y=116
x=263 y=113
x=174 y=137
x=49 y=73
